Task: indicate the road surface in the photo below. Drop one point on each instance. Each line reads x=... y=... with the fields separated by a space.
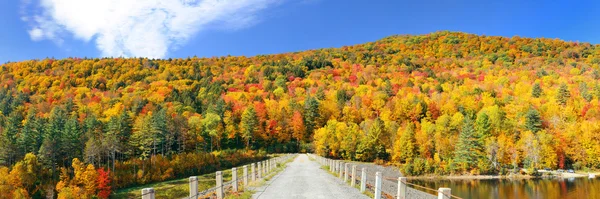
x=304 y=178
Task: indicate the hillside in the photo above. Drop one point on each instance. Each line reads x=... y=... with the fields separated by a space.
x=445 y=102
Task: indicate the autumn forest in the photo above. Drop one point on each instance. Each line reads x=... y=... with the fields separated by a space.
x=441 y=103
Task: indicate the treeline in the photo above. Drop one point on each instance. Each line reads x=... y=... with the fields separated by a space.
x=443 y=102
x=160 y=168
x=28 y=179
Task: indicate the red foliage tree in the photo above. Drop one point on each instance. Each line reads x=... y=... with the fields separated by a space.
x=103 y=183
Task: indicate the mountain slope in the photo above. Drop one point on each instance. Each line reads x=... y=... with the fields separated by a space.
x=407 y=99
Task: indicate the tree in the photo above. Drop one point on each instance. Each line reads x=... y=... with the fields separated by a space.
x=160 y=140
x=298 y=127
x=90 y=177
x=8 y=139
x=249 y=124
x=468 y=149
x=583 y=90
x=30 y=139
x=375 y=136
x=25 y=176
x=210 y=124
x=103 y=183
x=533 y=120
x=72 y=139
x=118 y=131
x=563 y=94
x=94 y=151
x=311 y=114
x=483 y=126
x=142 y=139
x=536 y=91
x=405 y=147
x=50 y=150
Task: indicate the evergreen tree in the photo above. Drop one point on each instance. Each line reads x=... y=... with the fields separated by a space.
x=159 y=121
x=536 y=91
x=30 y=139
x=387 y=88
x=597 y=91
x=9 y=152
x=563 y=94
x=468 y=149
x=311 y=114
x=117 y=134
x=533 y=120
x=126 y=129
x=49 y=151
x=483 y=126
x=72 y=139
x=583 y=90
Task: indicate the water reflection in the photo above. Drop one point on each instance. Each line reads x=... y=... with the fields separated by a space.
x=554 y=188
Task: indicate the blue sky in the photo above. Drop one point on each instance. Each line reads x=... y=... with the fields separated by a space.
x=61 y=28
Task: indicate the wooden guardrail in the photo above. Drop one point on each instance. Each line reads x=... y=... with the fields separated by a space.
x=258 y=171
x=348 y=171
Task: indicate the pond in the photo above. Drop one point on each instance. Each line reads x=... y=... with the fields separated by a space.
x=544 y=188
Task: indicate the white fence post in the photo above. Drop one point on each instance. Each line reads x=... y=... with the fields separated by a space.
x=234 y=178
x=193 y=186
x=444 y=193
x=401 y=188
x=148 y=193
x=363 y=180
x=336 y=166
x=346 y=172
x=341 y=170
x=330 y=161
x=253 y=172
x=219 y=179
x=259 y=171
x=378 y=179
x=245 y=175
x=353 y=182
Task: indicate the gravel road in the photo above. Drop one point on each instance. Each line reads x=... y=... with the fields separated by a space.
x=304 y=178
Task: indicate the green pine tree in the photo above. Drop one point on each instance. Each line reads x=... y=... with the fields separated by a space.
x=583 y=90
x=9 y=151
x=72 y=139
x=533 y=120
x=483 y=127
x=311 y=114
x=536 y=91
x=563 y=94
x=30 y=139
x=468 y=149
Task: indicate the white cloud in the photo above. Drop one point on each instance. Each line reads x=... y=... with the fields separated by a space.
x=36 y=34
x=139 y=28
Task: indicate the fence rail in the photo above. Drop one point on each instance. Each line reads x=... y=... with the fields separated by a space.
x=381 y=187
x=258 y=171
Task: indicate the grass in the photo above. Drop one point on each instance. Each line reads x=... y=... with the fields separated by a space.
x=174 y=188
x=180 y=188
x=243 y=195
